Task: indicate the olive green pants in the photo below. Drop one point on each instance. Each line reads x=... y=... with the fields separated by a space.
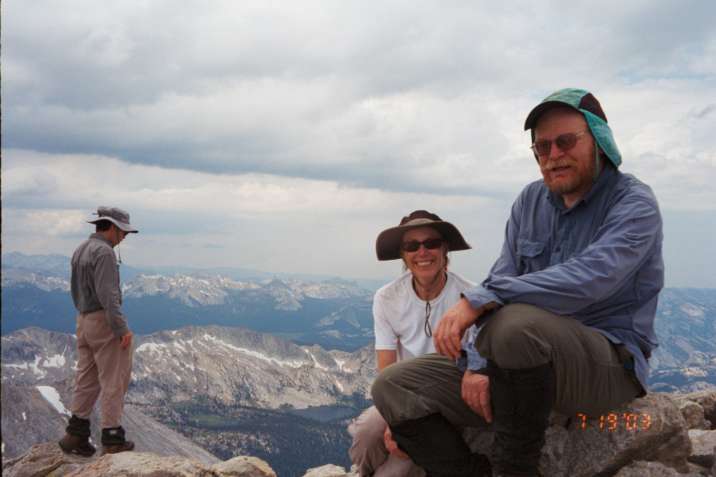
x=590 y=376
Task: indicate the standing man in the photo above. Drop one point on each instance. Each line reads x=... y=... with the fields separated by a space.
x=405 y=313
x=104 y=342
x=566 y=313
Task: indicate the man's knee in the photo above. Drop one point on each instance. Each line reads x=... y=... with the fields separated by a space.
x=507 y=328
x=516 y=337
x=380 y=389
x=394 y=387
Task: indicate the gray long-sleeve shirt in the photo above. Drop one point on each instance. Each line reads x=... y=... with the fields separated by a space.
x=599 y=262
x=95 y=282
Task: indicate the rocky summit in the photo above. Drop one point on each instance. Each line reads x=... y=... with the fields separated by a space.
x=48 y=460
x=658 y=435
x=226 y=390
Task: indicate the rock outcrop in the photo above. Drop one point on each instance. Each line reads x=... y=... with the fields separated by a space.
x=48 y=460
x=658 y=435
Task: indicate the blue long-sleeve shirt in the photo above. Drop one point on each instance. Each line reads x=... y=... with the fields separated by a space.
x=599 y=262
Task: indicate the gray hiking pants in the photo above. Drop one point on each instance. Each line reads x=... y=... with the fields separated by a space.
x=590 y=376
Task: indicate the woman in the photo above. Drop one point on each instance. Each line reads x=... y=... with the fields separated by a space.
x=405 y=311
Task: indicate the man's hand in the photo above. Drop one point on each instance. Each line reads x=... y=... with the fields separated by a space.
x=476 y=393
x=392 y=446
x=455 y=321
x=126 y=340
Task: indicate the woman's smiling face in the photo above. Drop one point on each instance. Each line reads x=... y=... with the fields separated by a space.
x=425 y=264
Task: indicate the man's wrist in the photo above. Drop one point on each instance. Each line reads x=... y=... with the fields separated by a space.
x=478 y=311
x=485 y=371
x=472 y=313
x=479 y=297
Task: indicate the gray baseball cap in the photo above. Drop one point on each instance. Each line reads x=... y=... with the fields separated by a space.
x=117 y=216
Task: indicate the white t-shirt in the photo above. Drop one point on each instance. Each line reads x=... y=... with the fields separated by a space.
x=399 y=315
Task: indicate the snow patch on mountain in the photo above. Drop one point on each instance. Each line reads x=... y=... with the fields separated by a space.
x=316 y=364
x=342 y=315
x=150 y=348
x=34 y=367
x=340 y=363
x=692 y=310
x=695 y=372
x=53 y=397
x=256 y=354
x=54 y=361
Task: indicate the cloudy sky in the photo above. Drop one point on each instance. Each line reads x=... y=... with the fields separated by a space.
x=284 y=136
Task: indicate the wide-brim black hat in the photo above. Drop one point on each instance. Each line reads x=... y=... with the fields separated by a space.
x=387 y=246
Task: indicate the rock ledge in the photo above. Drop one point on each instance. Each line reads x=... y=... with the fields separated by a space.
x=658 y=435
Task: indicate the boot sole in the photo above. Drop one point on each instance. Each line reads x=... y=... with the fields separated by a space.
x=76 y=451
x=117 y=448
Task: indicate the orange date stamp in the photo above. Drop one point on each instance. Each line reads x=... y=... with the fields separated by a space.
x=614 y=421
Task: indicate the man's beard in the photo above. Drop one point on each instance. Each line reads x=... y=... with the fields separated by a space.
x=580 y=180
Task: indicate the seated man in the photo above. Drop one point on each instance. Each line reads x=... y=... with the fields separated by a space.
x=406 y=311
x=566 y=313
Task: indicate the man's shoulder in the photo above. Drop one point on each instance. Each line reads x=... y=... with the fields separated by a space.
x=91 y=246
x=95 y=249
x=632 y=196
x=535 y=187
x=631 y=186
x=83 y=245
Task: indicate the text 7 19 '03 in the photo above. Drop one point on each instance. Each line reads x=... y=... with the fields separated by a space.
x=612 y=421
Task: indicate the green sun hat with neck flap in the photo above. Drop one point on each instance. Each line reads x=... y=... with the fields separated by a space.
x=584 y=102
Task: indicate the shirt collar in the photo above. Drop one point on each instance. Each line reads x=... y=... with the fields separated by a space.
x=605 y=177
x=101 y=237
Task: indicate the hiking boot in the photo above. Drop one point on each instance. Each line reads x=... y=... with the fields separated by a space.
x=77 y=445
x=116 y=448
x=438 y=447
x=113 y=441
x=76 y=440
x=521 y=401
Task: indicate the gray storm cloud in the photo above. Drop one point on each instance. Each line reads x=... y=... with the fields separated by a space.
x=368 y=95
x=253 y=134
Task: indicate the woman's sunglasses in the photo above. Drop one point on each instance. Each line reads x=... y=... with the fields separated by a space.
x=414 y=245
x=564 y=142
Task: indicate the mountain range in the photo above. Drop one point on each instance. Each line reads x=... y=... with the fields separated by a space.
x=36 y=388
x=335 y=313
x=229 y=390
x=268 y=366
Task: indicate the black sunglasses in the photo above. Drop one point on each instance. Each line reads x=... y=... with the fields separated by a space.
x=564 y=142
x=414 y=245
